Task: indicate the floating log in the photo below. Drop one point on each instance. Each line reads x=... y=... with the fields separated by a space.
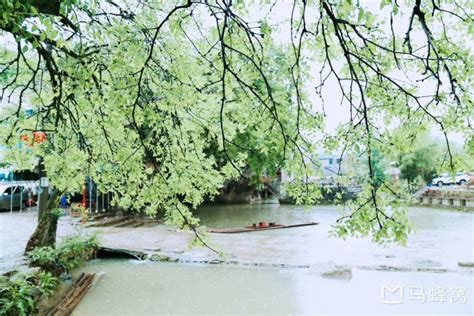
x=257 y=228
x=73 y=296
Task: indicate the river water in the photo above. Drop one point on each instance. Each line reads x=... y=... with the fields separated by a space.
x=275 y=272
x=15 y=229
x=425 y=274
x=127 y=288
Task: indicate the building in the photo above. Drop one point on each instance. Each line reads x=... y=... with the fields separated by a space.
x=331 y=166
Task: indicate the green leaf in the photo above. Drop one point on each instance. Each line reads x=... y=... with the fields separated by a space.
x=361 y=15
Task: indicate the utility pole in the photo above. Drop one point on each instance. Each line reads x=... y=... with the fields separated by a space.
x=43 y=191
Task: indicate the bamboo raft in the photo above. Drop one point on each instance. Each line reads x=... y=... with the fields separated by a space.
x=257 y=228
x=73 y=296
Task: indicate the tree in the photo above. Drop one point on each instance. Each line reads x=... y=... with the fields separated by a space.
x=420 y=161
x=469 y=148
x=419 y=165
x=162 y=103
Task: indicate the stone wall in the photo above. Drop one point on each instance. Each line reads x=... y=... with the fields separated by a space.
x=456 y=197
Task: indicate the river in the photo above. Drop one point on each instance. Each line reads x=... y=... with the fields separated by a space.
x=426 y=271
x=275 y=272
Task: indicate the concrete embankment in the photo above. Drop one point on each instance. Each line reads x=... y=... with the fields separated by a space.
x=455 y=197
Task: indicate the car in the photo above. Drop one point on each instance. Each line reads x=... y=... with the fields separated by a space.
x=13 y=196
x=446 y=178
x=27 y=178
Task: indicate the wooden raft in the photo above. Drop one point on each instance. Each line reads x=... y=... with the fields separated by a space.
x=254 y=229
x=73 y=296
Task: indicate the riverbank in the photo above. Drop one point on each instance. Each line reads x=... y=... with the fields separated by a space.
x=450 y=197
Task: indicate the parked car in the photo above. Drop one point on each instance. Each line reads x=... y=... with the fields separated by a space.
x=13 y=196
x=446 y=178
x=27 y=178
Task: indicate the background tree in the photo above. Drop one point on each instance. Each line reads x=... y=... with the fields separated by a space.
x=421 y=164
x=469 y=148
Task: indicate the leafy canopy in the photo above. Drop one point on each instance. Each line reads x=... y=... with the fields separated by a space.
x=162 y=103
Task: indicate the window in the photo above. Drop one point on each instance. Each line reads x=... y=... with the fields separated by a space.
x=8 y=191
x=338 y=161
x=18 y=190
x=331 y=161
x=26 y=175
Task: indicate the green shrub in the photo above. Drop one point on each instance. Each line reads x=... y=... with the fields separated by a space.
x=76 y=250
x=46 y=283
x=44 y=257
x=72 y=252
x=17 y=297
x=19 y=293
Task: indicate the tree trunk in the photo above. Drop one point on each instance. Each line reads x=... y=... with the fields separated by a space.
x=45 y=232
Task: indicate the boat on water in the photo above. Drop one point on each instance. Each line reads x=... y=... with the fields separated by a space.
x=259 y=227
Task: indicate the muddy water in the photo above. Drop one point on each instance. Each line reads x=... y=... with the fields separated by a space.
x=15 y=229
x=127 y=288
x=441 y=239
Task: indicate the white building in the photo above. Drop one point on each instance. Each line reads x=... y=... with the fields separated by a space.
x=330 y=165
